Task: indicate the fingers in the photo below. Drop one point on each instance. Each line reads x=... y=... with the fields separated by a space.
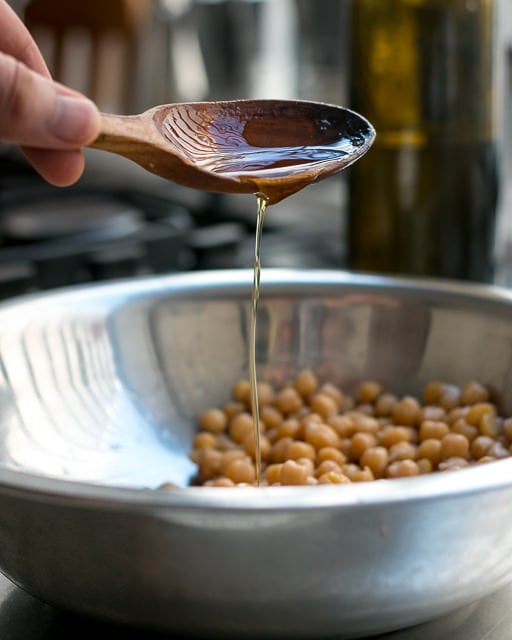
x=60 y=168
x=36 y=112
x=50 y=122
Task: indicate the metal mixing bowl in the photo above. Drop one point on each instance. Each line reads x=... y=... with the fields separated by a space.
x=100 y=386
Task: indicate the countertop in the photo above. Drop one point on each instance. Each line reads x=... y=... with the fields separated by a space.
x=22 y=617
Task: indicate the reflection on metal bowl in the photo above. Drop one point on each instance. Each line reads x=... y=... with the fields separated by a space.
x=100 y=386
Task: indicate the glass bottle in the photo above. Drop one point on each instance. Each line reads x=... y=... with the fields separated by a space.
x=423 y=201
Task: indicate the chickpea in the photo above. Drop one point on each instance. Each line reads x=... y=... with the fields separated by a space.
x=392 y=434
x=334 y=393
x=241 y=426
x=308 y=464
x=454 y=445
x=324 y=405
x=241 y=470
x=432 y=412
x=306 y=383
x=345 y=426
x=360 y=443
x=273 y=473
x=490 y=425
x=433 y=429
x=350 y=469
x=293 y=473
x=297 y=449
x=368 y=392
x=432 y=392
x=498 y=450
x=229 y=456
x=231 y=409
x=402 y=469
x=205 y=440
x=430 y=449
x=327 y=466
x=450 y=397
x=451 y=464
x=320 y=435
x=213 y=420
x=376 y=459
x=242 y=392
x=385 y=404
x=270 y=416
x=402 y=451
x=480 y=446
x=406 y=411
x=366 y=424
x=473 y=393
x=478 y=410
x=465 y=429
x=278 y=449
x=424 y=465
x=220 y=482
x=210 y=464
x=330 y=453
x=288 y=400
x=364 y=475
x=289 y=428
x=333 y=477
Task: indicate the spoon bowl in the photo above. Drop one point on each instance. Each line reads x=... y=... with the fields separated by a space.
x=273 y=147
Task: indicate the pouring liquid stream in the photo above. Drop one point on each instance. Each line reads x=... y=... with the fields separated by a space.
x=262 y=208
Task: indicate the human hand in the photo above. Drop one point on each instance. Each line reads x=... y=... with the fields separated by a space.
x=49 y=121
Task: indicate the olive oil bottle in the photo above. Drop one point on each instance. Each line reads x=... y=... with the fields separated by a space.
x=423 y=201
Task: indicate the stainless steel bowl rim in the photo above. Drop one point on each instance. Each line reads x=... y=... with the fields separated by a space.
x=476 y=479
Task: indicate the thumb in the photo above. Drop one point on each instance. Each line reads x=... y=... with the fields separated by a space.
x=37 y=112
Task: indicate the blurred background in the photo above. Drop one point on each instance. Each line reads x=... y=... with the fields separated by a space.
x=434 y=76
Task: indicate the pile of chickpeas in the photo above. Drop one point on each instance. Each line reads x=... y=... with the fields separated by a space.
x=314 y=433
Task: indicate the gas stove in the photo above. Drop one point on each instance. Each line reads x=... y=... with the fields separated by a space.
x=105 y=228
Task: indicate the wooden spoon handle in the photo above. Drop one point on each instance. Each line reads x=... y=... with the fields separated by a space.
x=119 y=134
x=136 y=137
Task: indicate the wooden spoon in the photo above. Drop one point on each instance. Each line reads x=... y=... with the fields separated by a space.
x=273 y=147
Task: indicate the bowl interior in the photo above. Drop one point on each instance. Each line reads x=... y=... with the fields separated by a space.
x=102 y=384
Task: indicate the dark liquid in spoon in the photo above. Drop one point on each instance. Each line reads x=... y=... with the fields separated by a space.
x=258 y=148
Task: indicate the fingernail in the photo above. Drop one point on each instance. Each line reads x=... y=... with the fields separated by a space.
x=74 y=119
